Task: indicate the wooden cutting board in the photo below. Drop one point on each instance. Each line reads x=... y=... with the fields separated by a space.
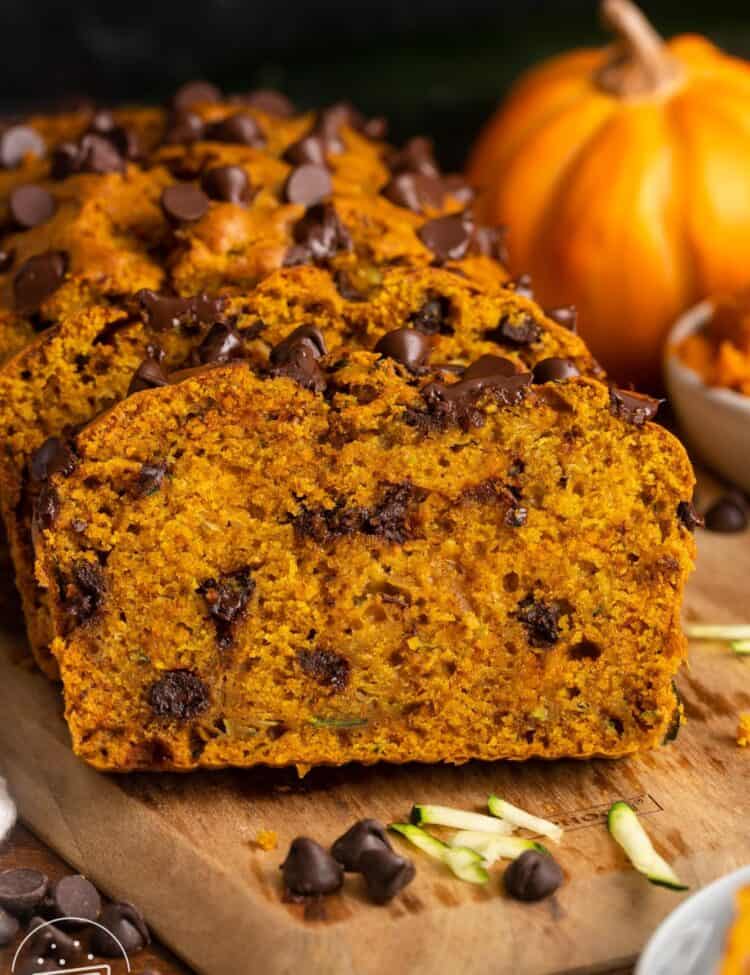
x=182 y=847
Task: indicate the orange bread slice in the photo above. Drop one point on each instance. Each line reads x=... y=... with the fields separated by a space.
x=341 y=558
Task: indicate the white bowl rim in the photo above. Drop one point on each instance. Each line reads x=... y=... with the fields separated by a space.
x=693 y=319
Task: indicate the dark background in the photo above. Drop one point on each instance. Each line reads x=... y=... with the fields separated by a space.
x=429 y=65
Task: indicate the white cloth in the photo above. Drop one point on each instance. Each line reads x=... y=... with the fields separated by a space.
x=7 y=811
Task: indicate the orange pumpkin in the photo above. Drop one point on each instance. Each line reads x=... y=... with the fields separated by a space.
x=623 y=175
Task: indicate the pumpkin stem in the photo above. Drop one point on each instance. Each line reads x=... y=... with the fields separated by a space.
x=641 y=64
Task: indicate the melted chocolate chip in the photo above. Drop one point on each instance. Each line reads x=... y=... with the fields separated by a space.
x=22 y=890
x=415 y=191
x=126 y=923
x=541 y=621
x=566 y=315
x=489 y=366
x=16 y=143
x=55 y=456
x=164 y=312
x=38 y=278
x=308 y=184
x=390 y=518
x=149 y=374
x=240 y=129
x=406 y=345
x=46 y=508
x=320 y=235
x=516 y=329
x=227 y=600
x=309 y=869
x=455 y=405
x=82 y=594
x=386 y=874
x=179 y=694
x=150 y=478
x=91 y=154
x=184 y=202
x=229 y=184
x=30 y=206
x=325 y=667
x=555 y=370
x=727 y=515
x=635 y=408
x=366 y=834
x=532 y=876
x=221 y=344
x=447 y=237
x=195 y=93
x=689 y=516
x=434 y=316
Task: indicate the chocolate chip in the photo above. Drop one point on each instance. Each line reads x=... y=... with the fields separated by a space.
x=331 y=120
x=456 y=186
x=386 y=874
x=327 y=668
x=230 y=184
x=221 y=344
x=16 y=143
x=269 y=101
x=689 y=516
x=30 y=206
x=487 y=366
x=126 y=923
x=416 y=156
x=308 y=185
x=555 y=370
x=6 y=260
x=541 y=621
x=46 y=508
x=406 y=345
x=148 y=375
x=433 y=317
x=183 y=128
x=320 y=233
x=454 y=404
x=82 y=594
x=727 y=515
x=389 y=518
x=447 y=237
x=165 y=312
x=415 y=191
x=566 y=315
x=50 y=941
x=239 y=129
x=227 y=600
x=55 y=456
x=309 y=869
x=308 y=334
x=9 y=928
x=91 y=154
x=38 y=278
x=178 y=694
x=195 y=93
x=310 y=149
x=635 y=408
x=150 y=478
x=366 y=834
x=300 y=364
x=514 y=329
x=521 y=286
x=22 y=890
x=532 y=876
x=76 y=897
x=184 y=202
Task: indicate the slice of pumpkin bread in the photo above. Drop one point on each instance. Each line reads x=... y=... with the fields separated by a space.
x=336 y=558
x=74 y=371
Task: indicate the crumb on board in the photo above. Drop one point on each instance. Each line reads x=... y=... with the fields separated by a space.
x=743 y=730
x=266 y=839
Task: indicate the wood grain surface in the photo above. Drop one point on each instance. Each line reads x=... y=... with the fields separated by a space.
x=183 y=847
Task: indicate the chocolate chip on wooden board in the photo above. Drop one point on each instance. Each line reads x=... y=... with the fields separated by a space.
x=366 y=834
x=386 y=873
x=310 y=869
x=76 y=897
x=9 y=927
x=728 y=514
x=128 y=926
x=532 y=876
x=22 y=890
x=51 y=941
